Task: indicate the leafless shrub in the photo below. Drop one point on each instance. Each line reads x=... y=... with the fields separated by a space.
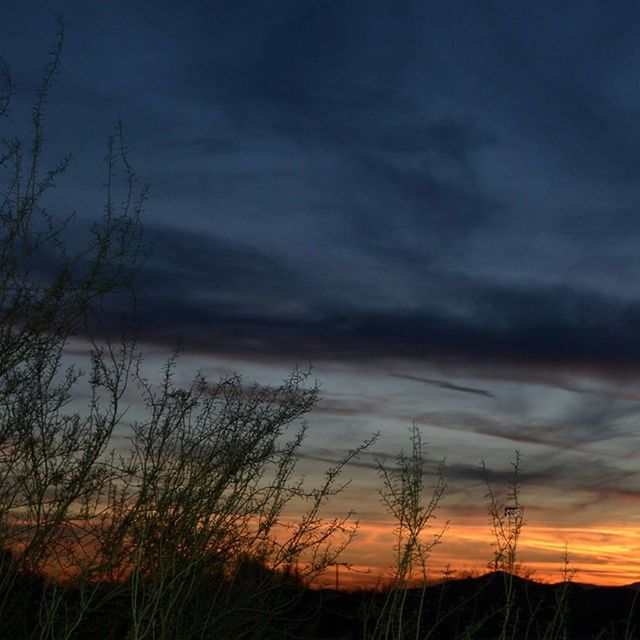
x=413 y=504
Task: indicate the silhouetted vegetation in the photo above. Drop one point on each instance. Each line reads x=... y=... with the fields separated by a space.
x=184 y=526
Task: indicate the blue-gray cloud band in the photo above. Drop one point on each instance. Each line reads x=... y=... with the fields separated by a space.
x=222 y=296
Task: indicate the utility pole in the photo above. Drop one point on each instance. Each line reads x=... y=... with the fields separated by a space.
x=337 y=565
x=348 y=567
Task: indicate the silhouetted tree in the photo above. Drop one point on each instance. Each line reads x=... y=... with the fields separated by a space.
x=190 y=517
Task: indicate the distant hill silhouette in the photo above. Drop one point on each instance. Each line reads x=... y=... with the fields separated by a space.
x=456 y=606
x=469 y=608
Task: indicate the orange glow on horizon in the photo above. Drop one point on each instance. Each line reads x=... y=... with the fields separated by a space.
x=600 y=555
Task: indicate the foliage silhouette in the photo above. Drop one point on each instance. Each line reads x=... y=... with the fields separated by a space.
x=195 y=504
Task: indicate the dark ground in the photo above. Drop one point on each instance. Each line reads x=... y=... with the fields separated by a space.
x=465 y=609
x=476 y=606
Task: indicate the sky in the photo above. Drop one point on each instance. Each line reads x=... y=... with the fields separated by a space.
x=434 y=204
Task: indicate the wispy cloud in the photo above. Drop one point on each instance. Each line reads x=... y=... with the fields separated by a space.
x=443 y=384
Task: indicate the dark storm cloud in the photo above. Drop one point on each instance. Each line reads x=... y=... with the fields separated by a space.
x=229 y=296
x=193 y=270
x=356 y=180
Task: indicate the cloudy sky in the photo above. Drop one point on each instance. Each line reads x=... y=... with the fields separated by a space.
x=433 y=203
